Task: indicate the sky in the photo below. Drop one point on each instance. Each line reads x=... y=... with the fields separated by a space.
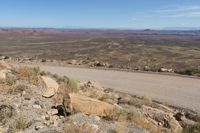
x=128 y=14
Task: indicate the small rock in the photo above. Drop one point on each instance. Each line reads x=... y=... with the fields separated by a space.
x=36 y=106
x=52 y=112
x=147 y=68
x=47 y=117
x=40 y=126
x=27 y=98
x=163 y=70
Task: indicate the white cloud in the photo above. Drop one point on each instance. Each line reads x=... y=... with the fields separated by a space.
x=185 y=11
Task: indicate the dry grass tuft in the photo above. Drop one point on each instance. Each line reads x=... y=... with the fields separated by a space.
x=29 y=74
x=79 y=128
x=134 y=117
x=6 y=112
x=18 y=125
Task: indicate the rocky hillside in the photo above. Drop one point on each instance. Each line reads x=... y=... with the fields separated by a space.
x=32 y=101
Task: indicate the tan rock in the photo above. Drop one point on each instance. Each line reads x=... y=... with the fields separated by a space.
x=4 y=65
x=79 y=103
x=163 y=118
x=50 y=87
x=52 y=112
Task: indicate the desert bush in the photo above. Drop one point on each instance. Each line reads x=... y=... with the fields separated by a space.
x=19 y=88
x=79 y=128
x=189 y=71
x=10 y=81
x=102 y=97
x=18 y=125
x=70 y=85
x=131 y=115
x=6 y=112
x=192 y=129
x=29 y=74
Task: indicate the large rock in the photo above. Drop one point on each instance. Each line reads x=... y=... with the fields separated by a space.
x=162 y=118
x=50 y=87
x=79 y=103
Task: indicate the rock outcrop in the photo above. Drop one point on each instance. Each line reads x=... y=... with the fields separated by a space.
x=90 y=106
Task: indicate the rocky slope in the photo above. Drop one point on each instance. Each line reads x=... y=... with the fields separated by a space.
x=32 y=101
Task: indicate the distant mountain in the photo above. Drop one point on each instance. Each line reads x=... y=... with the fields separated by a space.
x=182 y=28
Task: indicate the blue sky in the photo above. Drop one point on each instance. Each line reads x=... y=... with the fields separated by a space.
x=136 y=14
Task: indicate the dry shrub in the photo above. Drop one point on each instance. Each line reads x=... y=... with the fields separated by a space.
x=132 y=116
x=29 y=74
x=18 y=125
x=6 y=112
x=79 y=128
x=192 y=129
x=18 y=89
x=10 y=81
x=70 y=85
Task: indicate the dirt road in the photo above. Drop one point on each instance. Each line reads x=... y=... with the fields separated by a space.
x=174 y=90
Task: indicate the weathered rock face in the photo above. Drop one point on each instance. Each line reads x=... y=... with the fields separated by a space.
x=162 y=118
x=50 y=86
x=79 y=103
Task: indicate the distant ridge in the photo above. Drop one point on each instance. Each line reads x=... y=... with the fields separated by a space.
x=182 y=28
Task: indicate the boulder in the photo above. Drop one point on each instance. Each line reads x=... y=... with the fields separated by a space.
x=79 y=103
x=162 y=118
x=50 y=87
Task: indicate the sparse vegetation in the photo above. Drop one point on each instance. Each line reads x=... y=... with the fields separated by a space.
x=29 y=74
x=18 y=89
x=189 y=71
x=79 y=128
x=192 y=129
x=6 y=112
x=19 y=124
